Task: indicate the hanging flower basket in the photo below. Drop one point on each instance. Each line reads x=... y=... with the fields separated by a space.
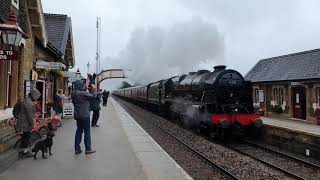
x=56 y=73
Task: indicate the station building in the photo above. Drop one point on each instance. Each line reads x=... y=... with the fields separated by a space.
x=41 y=47
x=43 y=55
x=287 y=86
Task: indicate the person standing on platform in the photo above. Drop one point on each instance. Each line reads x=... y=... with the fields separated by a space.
x=95 y=106
x=81 y=102
x=105 y=95
x=24 y=112
x=58 y=107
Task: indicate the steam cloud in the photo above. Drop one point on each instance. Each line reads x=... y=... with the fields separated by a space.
x=155 y=53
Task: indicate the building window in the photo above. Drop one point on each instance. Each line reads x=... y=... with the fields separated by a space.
x=261 y=96
x=318 y=95
x=275 y=94
x=256 y=95
x=278 y=95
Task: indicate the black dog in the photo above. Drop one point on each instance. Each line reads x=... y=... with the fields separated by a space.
x=44 y=145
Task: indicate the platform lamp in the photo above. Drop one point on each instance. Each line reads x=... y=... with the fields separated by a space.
x=11 y=35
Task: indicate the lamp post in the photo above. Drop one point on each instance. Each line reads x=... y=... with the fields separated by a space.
x=11 y=35
x=88 y=68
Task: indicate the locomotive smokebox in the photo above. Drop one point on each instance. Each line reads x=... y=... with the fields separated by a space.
x=219 y=68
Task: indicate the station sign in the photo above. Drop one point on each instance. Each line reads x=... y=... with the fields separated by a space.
x=8 y=55
x=50 y=65
x=296 y=84
x=111 y=73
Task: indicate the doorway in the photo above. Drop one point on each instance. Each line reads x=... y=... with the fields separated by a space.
x=41 y=86
x=299 y=102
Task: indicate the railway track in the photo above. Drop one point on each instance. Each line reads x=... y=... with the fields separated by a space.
x=240 y=167
x=198 y=154
x=290 y=165
x=293 y=167
x=283 y=154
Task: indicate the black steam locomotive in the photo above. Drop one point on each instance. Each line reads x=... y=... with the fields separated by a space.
x=219 y=102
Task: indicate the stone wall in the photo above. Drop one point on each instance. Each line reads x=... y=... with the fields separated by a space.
x=7 y=136
x=25 y=66
x=292 y=141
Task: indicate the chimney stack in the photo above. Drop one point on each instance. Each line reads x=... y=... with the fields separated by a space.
x=219 y=68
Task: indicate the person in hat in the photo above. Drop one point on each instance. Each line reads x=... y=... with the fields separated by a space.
x=24 y=112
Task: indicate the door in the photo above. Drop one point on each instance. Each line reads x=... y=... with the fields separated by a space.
x=41 y=86
x=299 y=102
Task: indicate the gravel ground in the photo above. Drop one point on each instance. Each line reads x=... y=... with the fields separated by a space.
x=293 y=166
x=242 y=166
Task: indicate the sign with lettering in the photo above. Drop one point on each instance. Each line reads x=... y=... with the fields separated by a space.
x=296 y=84
x=111 y=73
x=50 y=65
x=8 y=54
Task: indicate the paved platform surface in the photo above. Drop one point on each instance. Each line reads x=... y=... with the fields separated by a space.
x=124 y=152
x=293 y=125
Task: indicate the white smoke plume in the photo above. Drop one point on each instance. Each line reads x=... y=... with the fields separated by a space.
x=155 y=53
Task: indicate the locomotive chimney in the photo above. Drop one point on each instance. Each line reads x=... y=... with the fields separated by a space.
x=219 y=68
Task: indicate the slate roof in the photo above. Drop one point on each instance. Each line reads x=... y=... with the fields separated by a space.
x=298 y=66
x=58 y=26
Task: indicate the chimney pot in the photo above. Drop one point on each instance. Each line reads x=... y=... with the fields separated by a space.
x=219 y=68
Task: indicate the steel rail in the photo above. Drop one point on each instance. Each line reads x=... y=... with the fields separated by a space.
x=282 y=154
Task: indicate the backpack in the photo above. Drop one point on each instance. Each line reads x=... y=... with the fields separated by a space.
x=16 y=109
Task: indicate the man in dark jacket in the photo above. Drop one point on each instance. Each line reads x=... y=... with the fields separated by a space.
x=24 y=112
x=81 y=102
x=105 y=95
x=95 y=106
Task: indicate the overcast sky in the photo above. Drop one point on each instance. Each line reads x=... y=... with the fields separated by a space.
x=157 y=39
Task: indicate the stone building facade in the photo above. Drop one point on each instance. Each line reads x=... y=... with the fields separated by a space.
x=41 y=42
x=48 y=37
x=287 y=86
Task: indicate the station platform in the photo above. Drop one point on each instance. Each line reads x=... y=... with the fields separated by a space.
x=294 y=136
x=124 y=151
x=293 y=125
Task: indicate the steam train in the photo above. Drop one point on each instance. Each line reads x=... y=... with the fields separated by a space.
x=218 y=102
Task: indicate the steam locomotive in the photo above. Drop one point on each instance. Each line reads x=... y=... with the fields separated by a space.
x=218 y=102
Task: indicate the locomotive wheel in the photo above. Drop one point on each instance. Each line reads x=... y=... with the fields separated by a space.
x=162 y=111
x=238 y=131
x=221 y=133
x=255 y=132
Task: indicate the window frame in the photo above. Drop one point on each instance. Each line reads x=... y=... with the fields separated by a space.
x=256 y=95
x=318 y=95
x=281 y=96
x=278 y=94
